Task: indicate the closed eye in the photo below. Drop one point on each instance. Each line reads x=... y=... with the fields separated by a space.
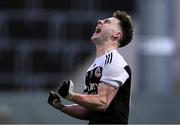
x=107 y=21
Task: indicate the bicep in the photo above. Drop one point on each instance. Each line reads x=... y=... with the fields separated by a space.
x=106 y=93
x=96 y=102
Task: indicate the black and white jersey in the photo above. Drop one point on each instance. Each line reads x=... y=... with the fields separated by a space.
x=112 y=70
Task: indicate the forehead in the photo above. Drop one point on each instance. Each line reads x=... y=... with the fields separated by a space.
x=112 y=19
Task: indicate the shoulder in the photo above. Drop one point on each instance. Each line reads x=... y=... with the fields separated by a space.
x=114 y=58
x=114 y=72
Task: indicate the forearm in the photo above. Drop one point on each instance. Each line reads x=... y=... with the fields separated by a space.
x=97 y=102
x=91 y=102
x=76 y=111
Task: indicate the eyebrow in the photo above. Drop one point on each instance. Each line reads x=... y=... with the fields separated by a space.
x=107 y=20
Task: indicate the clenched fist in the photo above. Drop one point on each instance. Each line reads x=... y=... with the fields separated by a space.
x=66 y=89
x=55 y=101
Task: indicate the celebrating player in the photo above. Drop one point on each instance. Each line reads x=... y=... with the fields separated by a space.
x=107 y=81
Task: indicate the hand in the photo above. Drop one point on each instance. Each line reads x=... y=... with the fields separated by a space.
x=66 y=89
x=55 y=101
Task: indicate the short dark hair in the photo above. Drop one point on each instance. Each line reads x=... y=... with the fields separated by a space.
x=126 y=26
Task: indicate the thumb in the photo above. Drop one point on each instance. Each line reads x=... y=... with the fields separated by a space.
x=58 y=104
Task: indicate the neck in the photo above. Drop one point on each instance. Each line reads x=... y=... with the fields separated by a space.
x=102 y=49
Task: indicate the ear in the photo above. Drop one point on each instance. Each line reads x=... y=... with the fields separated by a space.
x=117 y=36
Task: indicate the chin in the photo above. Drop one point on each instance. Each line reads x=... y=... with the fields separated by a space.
x=94 y=36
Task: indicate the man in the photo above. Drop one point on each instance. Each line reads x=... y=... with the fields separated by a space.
x=108 y=79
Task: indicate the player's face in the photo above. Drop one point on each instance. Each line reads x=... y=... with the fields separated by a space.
x=105 y=29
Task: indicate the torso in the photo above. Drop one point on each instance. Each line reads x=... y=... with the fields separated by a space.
x=112 y=70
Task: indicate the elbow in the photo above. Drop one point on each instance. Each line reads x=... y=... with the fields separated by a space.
x=103 y=106
x=100 y=106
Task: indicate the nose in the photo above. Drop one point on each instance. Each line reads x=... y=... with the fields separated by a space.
x=99 y=21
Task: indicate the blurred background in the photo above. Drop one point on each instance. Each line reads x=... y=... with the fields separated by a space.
x=43 y=42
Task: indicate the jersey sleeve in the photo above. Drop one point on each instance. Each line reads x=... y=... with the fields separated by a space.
x=114 y=75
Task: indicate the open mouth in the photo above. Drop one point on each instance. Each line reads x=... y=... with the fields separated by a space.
x=98 y=30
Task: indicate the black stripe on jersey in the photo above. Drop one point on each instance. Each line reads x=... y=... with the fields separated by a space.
x=111 y=58
x=128 y=70
x=108 y=58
